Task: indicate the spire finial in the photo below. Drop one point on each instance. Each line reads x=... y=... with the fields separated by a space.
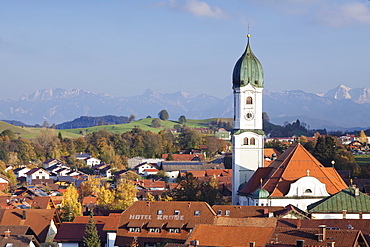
x=248 y=35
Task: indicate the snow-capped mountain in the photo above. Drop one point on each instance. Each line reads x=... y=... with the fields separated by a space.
x=342 y=107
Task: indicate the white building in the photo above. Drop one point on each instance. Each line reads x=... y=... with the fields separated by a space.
x=248 y=136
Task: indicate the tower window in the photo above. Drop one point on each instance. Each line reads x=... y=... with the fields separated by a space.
x=246 y=141
x=308 y=191
x=253 y=141
x=249 y=100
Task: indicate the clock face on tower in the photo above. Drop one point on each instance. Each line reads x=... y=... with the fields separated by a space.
x=249 y=115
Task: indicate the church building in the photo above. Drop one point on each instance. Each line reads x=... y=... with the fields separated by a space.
x=248 y=136
x=296 y=177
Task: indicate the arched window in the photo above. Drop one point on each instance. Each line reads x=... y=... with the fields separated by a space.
x=249 y=100
x=253 y=141
x=246 y=141
x=308 y=191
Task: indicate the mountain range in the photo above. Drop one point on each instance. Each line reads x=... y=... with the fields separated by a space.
x=338 y=109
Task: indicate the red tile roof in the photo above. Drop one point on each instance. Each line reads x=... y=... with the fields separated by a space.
x=288 y=168
x=233 y=236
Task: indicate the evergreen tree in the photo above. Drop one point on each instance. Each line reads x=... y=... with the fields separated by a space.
x=91 y=238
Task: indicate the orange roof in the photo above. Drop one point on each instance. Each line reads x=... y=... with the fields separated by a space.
x=89 y=200
x=38 y=219
x=112 y=223
x=212 y=235
x=292 y=165
x=268 y=152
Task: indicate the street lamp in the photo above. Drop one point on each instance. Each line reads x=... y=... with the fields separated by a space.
x=332 y=163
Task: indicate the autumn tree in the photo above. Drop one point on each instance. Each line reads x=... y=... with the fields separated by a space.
x=91 y=237
x=163 y=115
x=190 y=138
x=124 y=195
x=362 y=137
x=215 y=145
x=106 y=196
x=209 y=191
x=190 y=189
x=71 y=207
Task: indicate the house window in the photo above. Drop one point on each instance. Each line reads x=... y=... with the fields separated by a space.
x=159 y=212
x=37 y=177
x=249 y=100
x=174 y=230
x=227 y=212
x=246 y=142
x=134 y=229
x=156 y=229
x=219 y=212
x=253 y=141
x=177 y=212
x=197 y=213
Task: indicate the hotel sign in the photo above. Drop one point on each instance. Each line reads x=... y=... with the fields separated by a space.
x=159 y=217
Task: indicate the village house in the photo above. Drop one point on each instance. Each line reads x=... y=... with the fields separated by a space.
x=37 y=173
x=153 y=223
x=44 y=222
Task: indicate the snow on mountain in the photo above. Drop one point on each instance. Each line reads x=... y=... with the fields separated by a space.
x=341 y=107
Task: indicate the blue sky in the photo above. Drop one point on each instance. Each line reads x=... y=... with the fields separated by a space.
x=123 y=47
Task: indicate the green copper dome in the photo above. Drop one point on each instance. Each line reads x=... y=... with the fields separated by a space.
x=248 y=69
x=261 y=193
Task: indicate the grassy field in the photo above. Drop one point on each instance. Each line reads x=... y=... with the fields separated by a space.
x=362 y=160
x=28 y=132
x=143 y=124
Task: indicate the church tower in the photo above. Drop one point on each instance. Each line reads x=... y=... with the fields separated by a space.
x=248 y=136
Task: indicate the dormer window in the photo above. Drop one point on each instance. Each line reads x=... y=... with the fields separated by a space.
x=177 y=212
x=196 y=213
x=174 y=230
x=219 y=212
x=160 y=212
x=227 y=212
x=154 y=230
x=134 y=229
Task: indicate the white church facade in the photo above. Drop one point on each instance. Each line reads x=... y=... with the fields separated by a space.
x=295 y=177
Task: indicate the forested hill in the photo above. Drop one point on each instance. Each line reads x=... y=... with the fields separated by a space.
x=85 y=122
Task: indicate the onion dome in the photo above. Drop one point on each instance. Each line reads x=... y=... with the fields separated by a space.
x=260 y=193
x=248 y=69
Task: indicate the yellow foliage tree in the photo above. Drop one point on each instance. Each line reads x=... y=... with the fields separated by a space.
x=106 y=196
x=362 y=137
x=71 y=207
x=150 y=197
x=125 y=194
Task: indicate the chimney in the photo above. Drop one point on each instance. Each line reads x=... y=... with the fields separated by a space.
x=344 y=214
x=300 y=243
x=322 y=233
x=266 y=212
x=357 y=192
x=24 y=214
x=299 y=223
x=194 y=242
x=7 y=233
x=252 y=244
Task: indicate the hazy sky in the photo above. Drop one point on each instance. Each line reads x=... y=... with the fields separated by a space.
x=123 y=47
